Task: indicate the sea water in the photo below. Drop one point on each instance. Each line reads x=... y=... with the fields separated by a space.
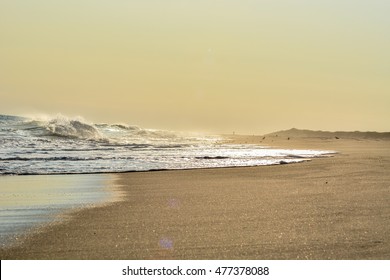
x=62 y=145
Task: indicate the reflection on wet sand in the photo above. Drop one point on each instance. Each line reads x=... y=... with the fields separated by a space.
x=28 y=201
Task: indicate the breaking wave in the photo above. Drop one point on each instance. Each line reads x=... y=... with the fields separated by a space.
x=72 y=128
x=61 y=126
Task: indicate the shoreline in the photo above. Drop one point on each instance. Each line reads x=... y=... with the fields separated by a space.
x=237 y=213
x=327 y=153
x=165 y=170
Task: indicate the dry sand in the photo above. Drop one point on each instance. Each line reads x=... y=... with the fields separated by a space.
x=328 y=208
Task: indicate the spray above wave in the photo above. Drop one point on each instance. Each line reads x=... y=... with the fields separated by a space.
x=72 y=128
x=53 y=145
x=61 y=126
x=78 y=127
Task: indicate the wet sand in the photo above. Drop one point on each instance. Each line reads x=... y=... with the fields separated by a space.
x=327 y=208
x=31 y=201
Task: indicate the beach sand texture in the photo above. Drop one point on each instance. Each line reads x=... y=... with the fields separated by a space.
x=329 y=208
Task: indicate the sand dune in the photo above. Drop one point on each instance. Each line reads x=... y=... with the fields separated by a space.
x=328 y=134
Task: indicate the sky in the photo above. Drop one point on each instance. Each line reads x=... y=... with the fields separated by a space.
x=249 y=66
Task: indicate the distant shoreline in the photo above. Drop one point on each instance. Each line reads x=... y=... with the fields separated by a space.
x=331 y=134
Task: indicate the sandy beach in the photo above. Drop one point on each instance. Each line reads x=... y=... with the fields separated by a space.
x=327 y=208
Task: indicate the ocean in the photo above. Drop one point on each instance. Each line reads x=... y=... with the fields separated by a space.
x=63 y=145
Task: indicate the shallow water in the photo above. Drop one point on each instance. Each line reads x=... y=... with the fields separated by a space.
x=27 y=201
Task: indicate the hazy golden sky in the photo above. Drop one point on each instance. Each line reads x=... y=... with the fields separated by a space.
x=249 y=66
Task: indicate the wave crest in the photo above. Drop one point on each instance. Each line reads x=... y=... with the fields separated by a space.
x=78 y=128
x=62 y=126
x=72 y=128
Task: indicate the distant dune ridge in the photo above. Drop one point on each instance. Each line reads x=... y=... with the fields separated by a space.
x=302 y=133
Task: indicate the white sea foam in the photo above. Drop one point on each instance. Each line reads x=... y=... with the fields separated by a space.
x=63 y=126
x=59 y=144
